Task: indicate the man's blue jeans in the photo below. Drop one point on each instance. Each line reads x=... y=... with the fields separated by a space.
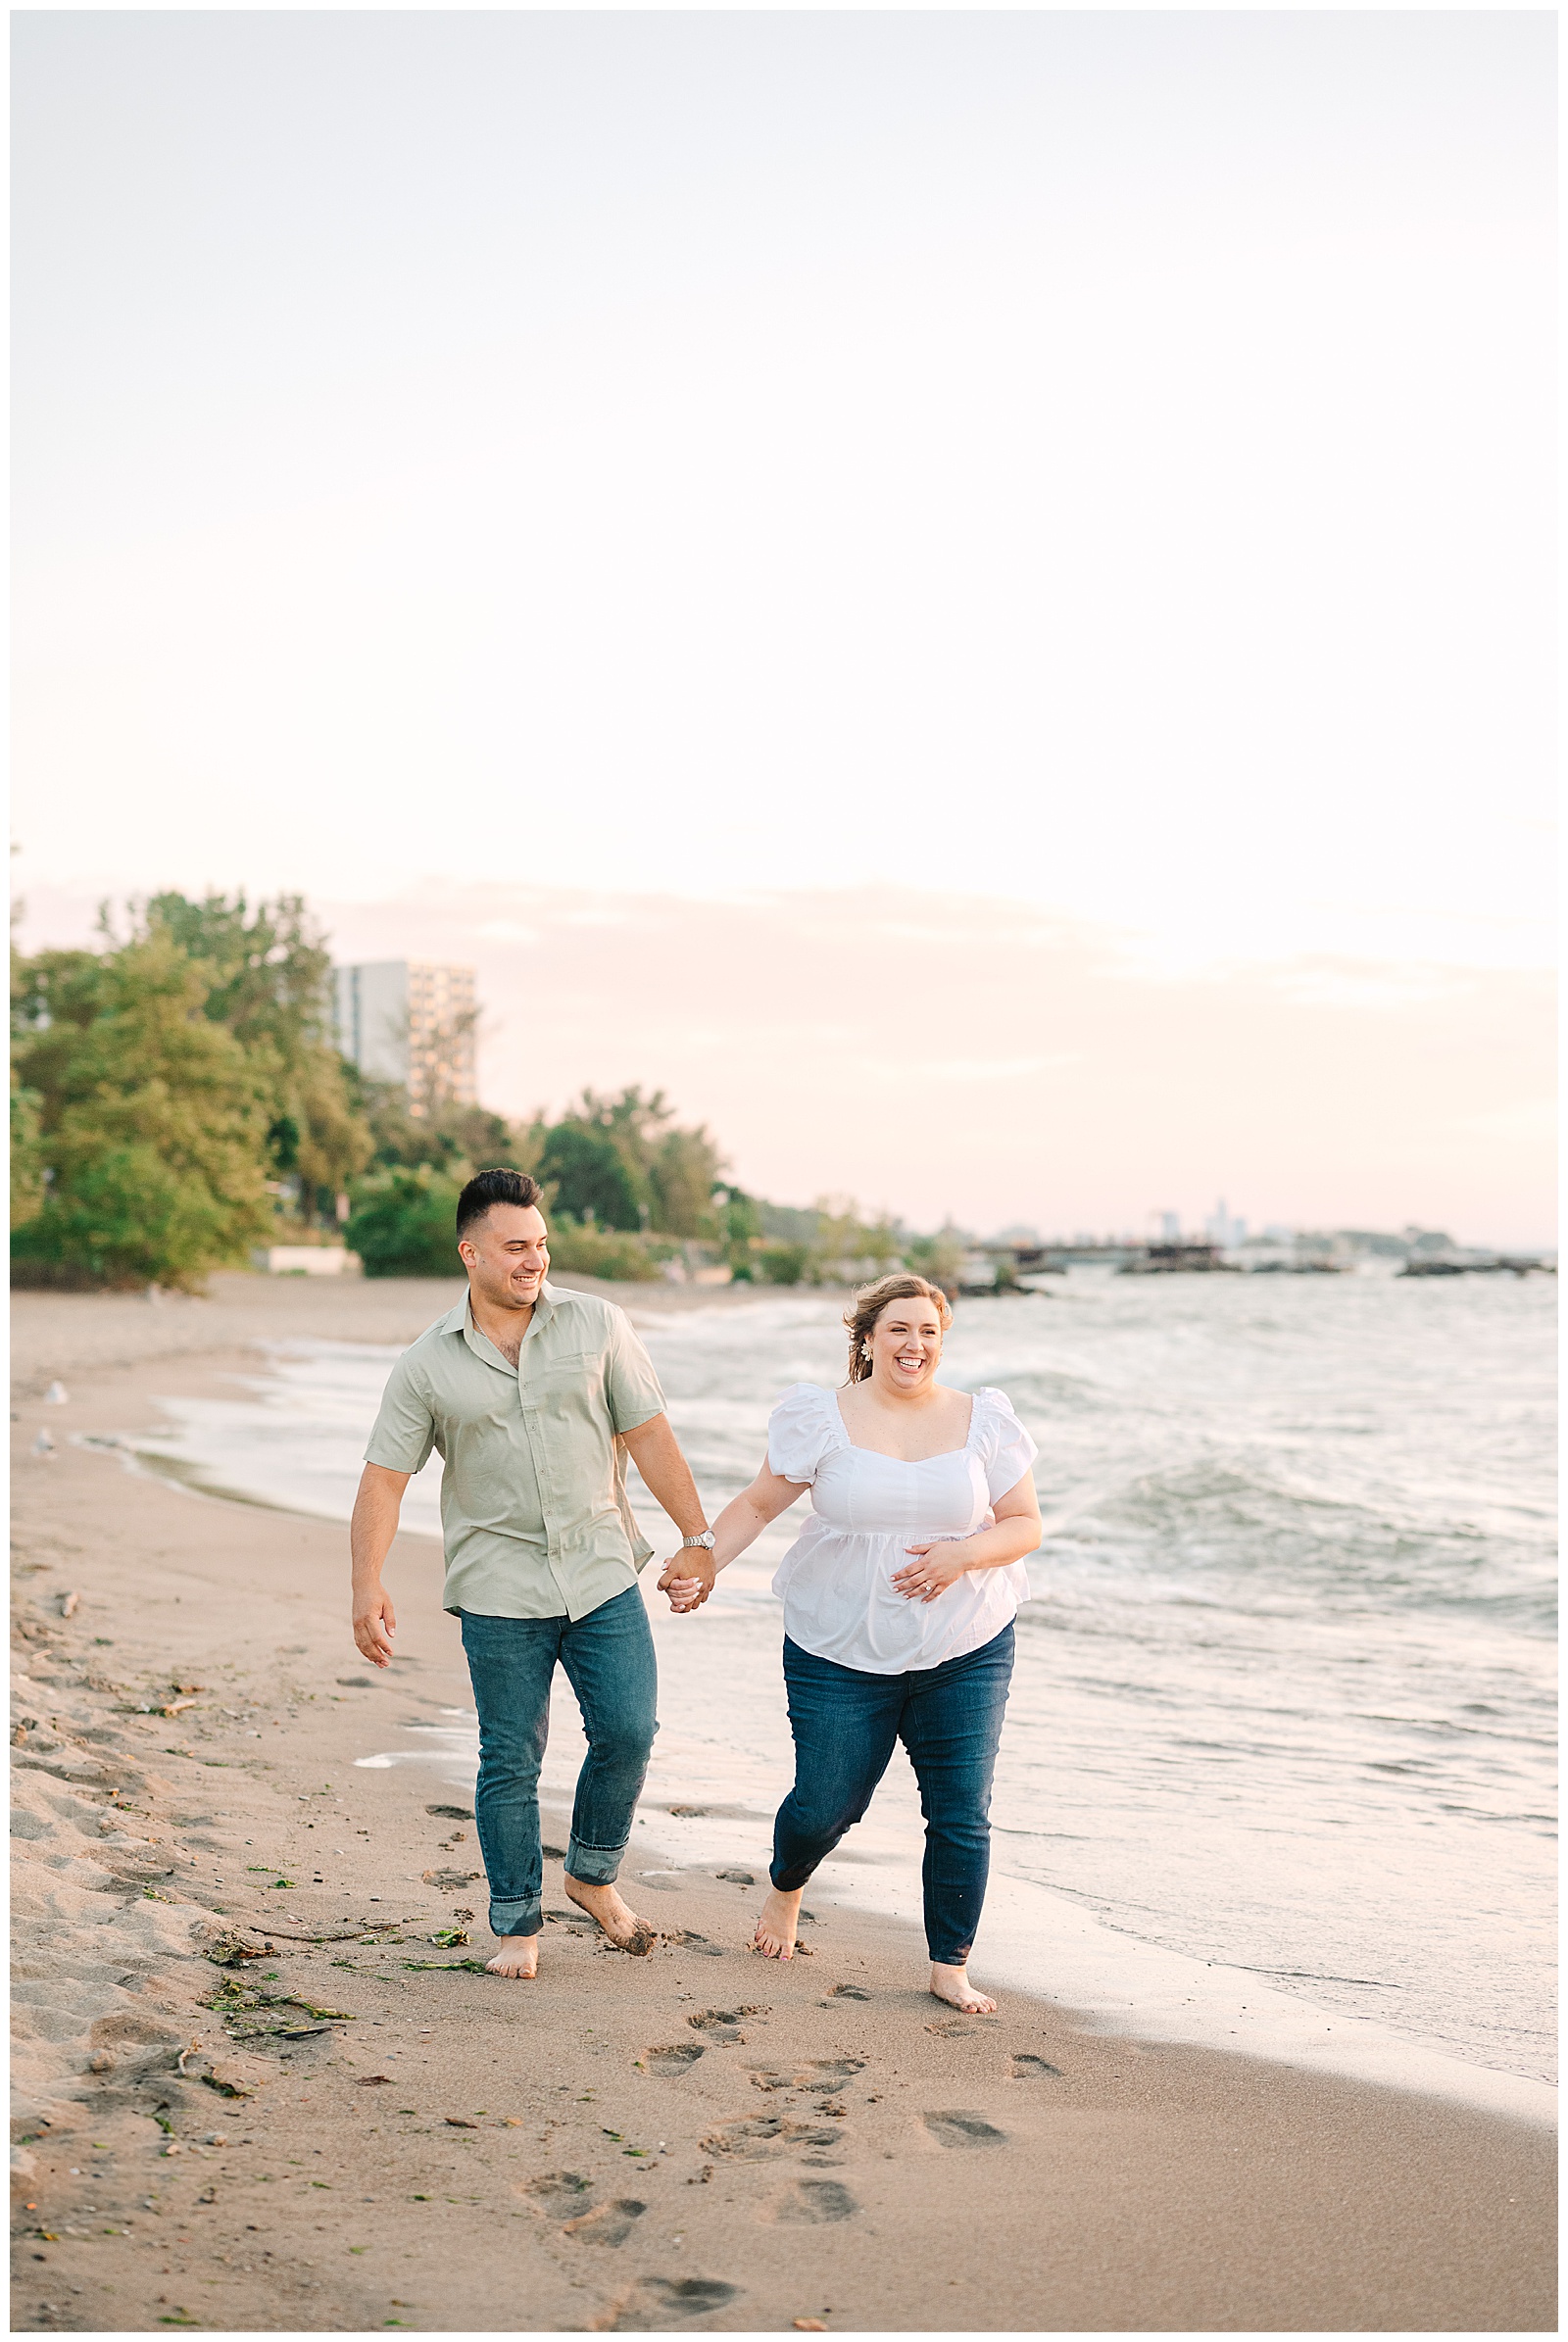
x=845 y=1723
x=609 y=1663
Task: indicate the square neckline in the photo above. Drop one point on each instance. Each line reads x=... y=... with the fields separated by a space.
x=854 y=1447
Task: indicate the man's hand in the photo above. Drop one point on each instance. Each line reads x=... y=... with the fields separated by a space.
x=375 y=1625
x=370 y=1532
x=688 y=1577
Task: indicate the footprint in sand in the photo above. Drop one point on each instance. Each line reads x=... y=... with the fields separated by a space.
x=558 y=2191
x=769 y=2135
x=678 y=2058
x=724 y=2025
x=848 y=1992
x=822 y=2073
x=812 y=2203
x=611 y=2224
x=1026 y=2068
x=665 y=2305
x=952 y=2028
x=963 y=2131
x=690 y=1941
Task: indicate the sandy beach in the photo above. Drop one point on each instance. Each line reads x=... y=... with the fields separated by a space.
x=232 y=2003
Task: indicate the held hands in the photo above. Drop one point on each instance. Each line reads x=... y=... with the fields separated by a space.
x=375 y=1625
x=691 y=1587
x=937 y=1566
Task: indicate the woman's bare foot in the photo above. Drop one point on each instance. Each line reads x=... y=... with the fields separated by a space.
x=952 y=1985
x=778 y=1925
x=625 y=1931
x=519 y=1956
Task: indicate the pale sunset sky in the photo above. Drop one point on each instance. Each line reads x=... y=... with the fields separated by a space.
x=969 y=595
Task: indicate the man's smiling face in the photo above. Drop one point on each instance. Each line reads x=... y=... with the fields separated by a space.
x=507 y=1255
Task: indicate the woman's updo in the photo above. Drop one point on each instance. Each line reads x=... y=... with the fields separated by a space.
x=872 y=1299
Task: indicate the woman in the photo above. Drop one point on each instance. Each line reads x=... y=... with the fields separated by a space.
x=899 y=1602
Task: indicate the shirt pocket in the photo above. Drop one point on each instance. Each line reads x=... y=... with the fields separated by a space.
x=555 y=1382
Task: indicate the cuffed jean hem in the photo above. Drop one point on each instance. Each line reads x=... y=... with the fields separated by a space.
x=515 y=1919
x=595 y=1866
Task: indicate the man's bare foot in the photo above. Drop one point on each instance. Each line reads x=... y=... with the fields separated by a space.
x=778 y=1925
x=953 y=1986
x=519 y=1956
x=625 y=1931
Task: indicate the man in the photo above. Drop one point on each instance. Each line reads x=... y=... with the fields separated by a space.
x=532 y=1394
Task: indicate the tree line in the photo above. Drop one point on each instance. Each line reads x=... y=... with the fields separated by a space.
x=177 y=1097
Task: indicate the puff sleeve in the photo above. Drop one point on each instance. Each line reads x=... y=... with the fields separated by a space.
x=1006 y=1448
x=800 y=1432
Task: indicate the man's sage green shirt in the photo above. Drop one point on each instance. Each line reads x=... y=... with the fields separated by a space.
x=534 y=1511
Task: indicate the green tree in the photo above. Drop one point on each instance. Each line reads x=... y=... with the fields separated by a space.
x=681 y=1180
x=26 y=1153
x=784 y=1264
x=488 y=1140
x=404 y=1223
x=149 y=1122
x=590 y=1176
x=452 y=1137
x=939 y=1257
x=850 y=1251
x=738 y=1224
x=672 y=1172
x=269 y=976
x=601 y=1252
x=634 y=1123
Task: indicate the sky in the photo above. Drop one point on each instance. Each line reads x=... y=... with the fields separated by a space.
x=971 y=595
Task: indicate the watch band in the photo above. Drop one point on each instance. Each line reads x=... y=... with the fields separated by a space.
x=705 y=1540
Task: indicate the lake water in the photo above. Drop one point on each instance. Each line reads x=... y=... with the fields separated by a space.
x=1278 y=1769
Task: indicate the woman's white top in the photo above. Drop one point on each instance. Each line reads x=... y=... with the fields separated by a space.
x=836 y=1579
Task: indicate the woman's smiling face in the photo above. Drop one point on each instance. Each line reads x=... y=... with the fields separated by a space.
x=906 y=1343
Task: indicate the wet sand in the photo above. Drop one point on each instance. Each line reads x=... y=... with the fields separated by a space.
x=349 y=2132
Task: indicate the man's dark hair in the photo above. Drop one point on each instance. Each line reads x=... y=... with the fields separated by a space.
x=494 y=1187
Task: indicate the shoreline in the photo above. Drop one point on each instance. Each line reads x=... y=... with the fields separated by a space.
x=56 y=1334
x=1120 y=1979
x=1110 y=2184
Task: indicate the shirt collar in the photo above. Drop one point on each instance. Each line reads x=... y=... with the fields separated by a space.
x=460 y=1319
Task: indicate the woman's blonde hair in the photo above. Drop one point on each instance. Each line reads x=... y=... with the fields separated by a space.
x=872 y=1299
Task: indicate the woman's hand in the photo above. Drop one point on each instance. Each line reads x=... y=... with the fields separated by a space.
x=685 y=1593
x=1012 y=1529
x=937 y=1566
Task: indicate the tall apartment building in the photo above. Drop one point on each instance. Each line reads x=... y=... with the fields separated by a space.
x=411 y=1021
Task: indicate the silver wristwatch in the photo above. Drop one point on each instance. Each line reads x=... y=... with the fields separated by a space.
x=705 y=1540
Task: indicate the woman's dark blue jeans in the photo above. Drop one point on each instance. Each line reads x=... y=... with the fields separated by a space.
x=845 y=1723
x=609 y=1663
